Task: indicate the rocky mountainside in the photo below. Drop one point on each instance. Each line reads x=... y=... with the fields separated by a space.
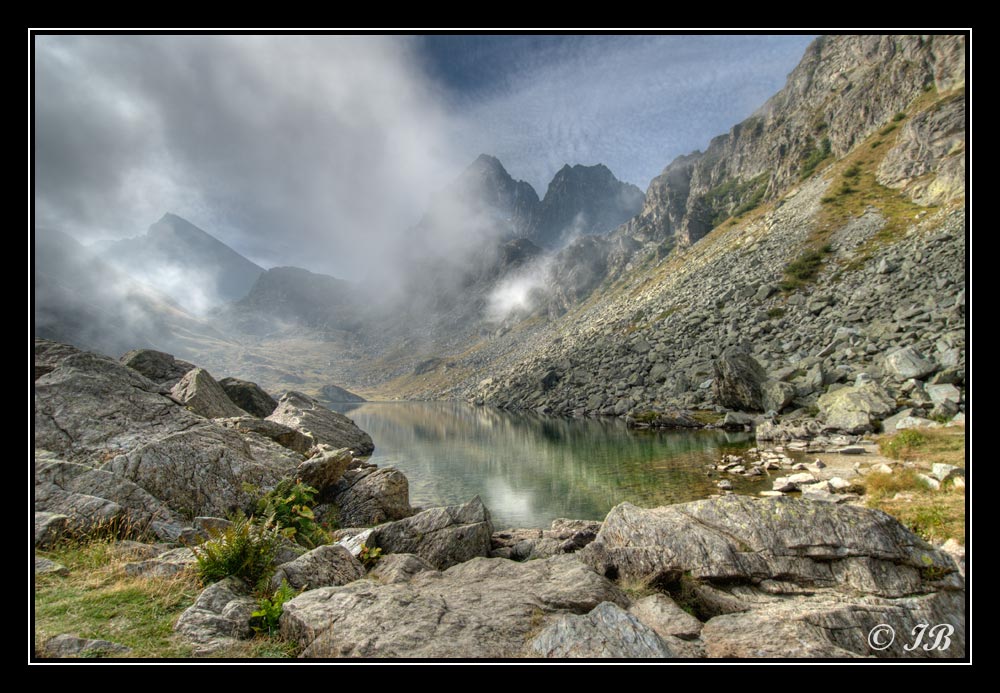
x=843 y=90
x=837 y=257
x=184 y=262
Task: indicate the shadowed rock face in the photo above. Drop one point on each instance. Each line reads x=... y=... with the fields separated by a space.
x=250 y=397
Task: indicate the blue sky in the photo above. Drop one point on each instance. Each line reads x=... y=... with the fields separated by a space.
x=632 y=103
x=322 y=151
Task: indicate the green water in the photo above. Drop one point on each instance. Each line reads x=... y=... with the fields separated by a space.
x=529 y=469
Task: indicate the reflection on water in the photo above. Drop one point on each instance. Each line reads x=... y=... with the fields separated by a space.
x=529 y=469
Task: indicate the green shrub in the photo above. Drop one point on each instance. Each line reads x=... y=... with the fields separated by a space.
x=901 y=444
x=776 y=312
x=290 y=506
x=369 y=555
x=244 y=549
x=814 y=157
x=852 y=171
x=889 y=128
x=898 y=117
x=265 y=619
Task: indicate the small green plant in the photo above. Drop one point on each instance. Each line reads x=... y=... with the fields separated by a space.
x=269 y=609
x=814 y=157
x=876 y=144
x=776 y=312
x=369 y=555
x=290 y=506
x=898 y=117
x=804 y=268
x=852 y=171
x=901 y=444
x=244 y=549
x=889 y=128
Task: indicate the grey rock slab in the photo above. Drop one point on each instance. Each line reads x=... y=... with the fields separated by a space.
x=826 y=627
x=44 y=566
x=49 y=528
x=325 y=468
x=742 y=538
x=661 y=613
x=326 y=565
x=441 y=536
x=855 y=409
x=398 y=567
x=312 y=419
x=279 y=433
x=370 y=495
x=66 y=645
x=486 y=607
x=219 y=617
x=199 y=392
x=163 y=565
x=607 y=632
x=908 y=363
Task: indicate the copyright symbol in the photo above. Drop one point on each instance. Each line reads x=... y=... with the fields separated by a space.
x=881 y=636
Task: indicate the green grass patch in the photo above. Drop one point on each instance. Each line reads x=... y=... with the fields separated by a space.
x=735 y=198
x=706 y=416
x=813 y=157
x=804 y=269
x=900 y=445
x=97 y=600
x=776 y=312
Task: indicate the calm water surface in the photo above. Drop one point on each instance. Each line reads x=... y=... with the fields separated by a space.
x=529 y=469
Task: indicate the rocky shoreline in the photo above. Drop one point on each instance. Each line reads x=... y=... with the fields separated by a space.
x=164 y=448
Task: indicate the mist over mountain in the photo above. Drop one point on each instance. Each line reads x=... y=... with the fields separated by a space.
x=81 y=299
x=183 y=261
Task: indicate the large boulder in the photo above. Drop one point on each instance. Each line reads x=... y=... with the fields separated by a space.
x=92 y=410
x=199 y=392
x=487 y=607
x=739 y=381
x=219 y=617
x=441 y=536
x=250 y=397
x=607 y=632
x=398 y=567
x=745 y=559
x=282 y=435
x=305 y=414
x=855 y=409
x=323 y=566
x=93 y=498
x=908 y=363
x=371 y=495
x=163 y=369
x=325 y=468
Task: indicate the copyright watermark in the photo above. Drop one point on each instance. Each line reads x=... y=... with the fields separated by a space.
x=926 y=636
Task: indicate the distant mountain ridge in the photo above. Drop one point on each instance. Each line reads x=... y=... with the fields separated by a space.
x=580 y=200
x=183 y=261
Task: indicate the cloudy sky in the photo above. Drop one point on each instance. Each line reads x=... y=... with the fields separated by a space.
x=322 y=151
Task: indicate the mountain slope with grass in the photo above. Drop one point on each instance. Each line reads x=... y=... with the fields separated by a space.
x=855 y=249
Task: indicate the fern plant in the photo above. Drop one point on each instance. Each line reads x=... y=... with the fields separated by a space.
x=290 y=506
x=245 y=549
x=265 y=619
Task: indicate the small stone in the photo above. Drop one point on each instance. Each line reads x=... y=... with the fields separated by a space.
x=69 y=646
x=943 y=472
x=725 y=485
x=44 y=566
x=930 y=481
